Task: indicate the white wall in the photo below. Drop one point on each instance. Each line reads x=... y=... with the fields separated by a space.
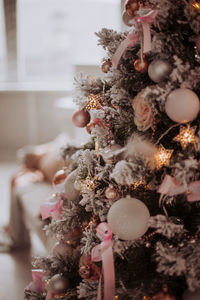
x=31 y=118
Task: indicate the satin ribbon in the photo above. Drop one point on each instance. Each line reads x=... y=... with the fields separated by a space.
x=171 y=187
x=49 y=295
x=37 y=281
x=145 y=18
x=131 y=39
x=104 y=253
x=53 y=208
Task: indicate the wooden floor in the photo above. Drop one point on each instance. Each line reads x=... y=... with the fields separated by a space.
x=14 y=268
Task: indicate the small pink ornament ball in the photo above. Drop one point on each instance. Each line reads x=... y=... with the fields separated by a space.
x=182 y=105
x=128 y=218
x=81 y=118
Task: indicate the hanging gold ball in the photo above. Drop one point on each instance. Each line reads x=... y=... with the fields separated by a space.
x=111 y=193
x=87 y=269
x=106 y=66
x=131 y=6
x=141 y=66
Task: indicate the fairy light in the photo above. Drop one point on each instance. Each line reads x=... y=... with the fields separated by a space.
x=162 y=157
x=89 y=184
x=137 y=184
x=94 y=102
x=186 y=136
x=196 y=4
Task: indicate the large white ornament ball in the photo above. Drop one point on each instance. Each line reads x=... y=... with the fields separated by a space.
x=159 y=70
x=71 y=192
x=182 y=105
x=191 y=295
x=128 y=218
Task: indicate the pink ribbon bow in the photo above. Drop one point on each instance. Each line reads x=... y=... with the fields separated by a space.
x=131 y=39
x=104 y=252
x=37 y=284
x=146 y=18
x=171 y=187
x=53 y=208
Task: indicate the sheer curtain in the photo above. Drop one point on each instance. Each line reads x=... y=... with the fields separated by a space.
x=54 y=36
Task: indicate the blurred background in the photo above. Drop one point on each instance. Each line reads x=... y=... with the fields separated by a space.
x=43 y=46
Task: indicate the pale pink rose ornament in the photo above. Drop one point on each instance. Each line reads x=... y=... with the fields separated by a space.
x=143 y=112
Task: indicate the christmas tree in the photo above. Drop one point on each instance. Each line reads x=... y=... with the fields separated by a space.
x=126 y=210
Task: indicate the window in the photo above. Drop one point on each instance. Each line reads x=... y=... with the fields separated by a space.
x=55 y=35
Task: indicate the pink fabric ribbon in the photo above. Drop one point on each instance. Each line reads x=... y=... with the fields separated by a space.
x=171 y=187
x=131 y=39
x=51 y=209
x=37 y=283
x=145 y=20
x=104 y=252
x=49 y=295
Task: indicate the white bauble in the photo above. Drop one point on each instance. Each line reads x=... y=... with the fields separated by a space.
x=159 y=70
x=128 y=218
x=72 y=194
x=191 y=295
x=182 y=105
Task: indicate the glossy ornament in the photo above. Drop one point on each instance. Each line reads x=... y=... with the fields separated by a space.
x=111 y=193
x=131 y=6
x=188 y=295
x=159 y=70
x=62 y=249
x=58 y=284
x=106 y=66
x=128 y=20
x=59 y=177
x=81 y=118
x=128 y=218
x=182 y=105
x=87 y=269
x=141 y=66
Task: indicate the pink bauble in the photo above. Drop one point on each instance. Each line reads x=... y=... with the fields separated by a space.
x=62 y=249
x=81 y=118
x=182 y=105
x=198 y=44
